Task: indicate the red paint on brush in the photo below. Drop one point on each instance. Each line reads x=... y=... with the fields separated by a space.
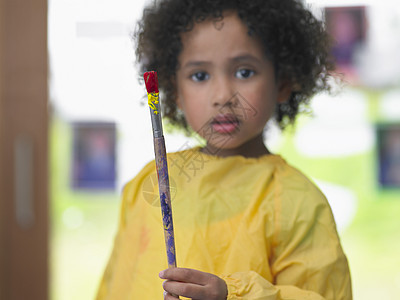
x=151 y=81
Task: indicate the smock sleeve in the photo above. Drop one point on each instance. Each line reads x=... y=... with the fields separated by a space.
x=307 y=260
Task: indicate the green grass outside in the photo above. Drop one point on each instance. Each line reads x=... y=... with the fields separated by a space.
x=82 y=226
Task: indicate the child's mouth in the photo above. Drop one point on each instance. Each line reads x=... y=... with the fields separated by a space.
x=225 y=123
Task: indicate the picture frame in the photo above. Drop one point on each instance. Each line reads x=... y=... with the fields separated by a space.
x=94 y=156
x=347 y=26
x=388 y=152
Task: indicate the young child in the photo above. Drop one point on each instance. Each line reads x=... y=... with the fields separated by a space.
x=247 y=225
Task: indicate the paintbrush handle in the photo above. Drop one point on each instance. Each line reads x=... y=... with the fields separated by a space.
x=165 y=198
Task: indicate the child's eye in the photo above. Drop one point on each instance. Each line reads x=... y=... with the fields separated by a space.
x=244 y=73
x=199 y=76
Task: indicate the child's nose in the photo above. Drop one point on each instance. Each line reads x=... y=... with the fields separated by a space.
x=223 y=92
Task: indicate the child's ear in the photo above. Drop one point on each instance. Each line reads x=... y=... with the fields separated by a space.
x=285 y=89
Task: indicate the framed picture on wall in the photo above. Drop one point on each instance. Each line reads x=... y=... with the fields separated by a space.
x=388 y=137
x=94 y=155
x=347 y=27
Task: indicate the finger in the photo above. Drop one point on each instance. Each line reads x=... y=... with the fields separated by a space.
x=185 y=275
x=168 y=296
x=188 y=290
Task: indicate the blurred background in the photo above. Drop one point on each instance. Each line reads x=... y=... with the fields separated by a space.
x=68 y=75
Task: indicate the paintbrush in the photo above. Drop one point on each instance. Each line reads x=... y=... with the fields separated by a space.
x=151 y=81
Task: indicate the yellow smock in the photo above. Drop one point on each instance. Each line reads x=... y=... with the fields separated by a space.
x=257 y=223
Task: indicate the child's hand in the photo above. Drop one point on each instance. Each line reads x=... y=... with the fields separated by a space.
x=193 y=284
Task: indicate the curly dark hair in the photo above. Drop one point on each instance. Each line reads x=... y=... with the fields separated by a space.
x=295 y=41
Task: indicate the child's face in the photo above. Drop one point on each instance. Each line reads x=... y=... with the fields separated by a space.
x=226 y=86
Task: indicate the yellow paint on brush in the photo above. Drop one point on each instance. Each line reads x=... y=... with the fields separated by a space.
x=152 y=101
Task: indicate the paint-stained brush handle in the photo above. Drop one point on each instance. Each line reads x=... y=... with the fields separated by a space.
x=165 y=199
x=151 y=82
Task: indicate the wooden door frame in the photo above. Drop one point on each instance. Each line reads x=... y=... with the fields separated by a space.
x=24 y=220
